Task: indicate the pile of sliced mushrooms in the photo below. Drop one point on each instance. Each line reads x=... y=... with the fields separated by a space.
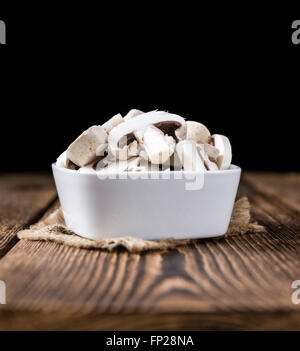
x=151 y=141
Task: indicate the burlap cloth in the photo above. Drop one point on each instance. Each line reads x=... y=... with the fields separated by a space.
x=53 y=228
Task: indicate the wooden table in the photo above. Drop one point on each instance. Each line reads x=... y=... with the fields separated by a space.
x=241 y=282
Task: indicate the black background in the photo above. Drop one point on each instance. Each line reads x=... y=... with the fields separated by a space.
x=215 y=339
x=234 y=68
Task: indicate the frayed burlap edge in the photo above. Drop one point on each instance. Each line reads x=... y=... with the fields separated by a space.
x=53 y=228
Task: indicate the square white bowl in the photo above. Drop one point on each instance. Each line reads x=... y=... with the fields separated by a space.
x=147 y=208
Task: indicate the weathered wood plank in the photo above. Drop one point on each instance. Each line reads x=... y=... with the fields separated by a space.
x=90 y=286
x=230 y=283
x=273 y=210
x=283 y=188
x=23 y=198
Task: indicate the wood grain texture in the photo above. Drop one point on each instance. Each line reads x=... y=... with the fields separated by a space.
x=23 y=199
x=284 y=188
x=240 y=282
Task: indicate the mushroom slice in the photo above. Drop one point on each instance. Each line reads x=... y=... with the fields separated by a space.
x=222 y=143
x=64 y=162
x=133 y=163
x=83 y=150
x=139 y=136
x=189 y=157
x=112 y=123
x=211 y=151
x=181 y=132
x=101 y=150
x=132 y=113
x=211 y=166
x=146 y=166
x=120 y=165
x=175 y=162
x=165 y=167
x=143 y=154
x=198 y=132
x=166 y=122
x=133 y=149
x=159 y=147
x=105 y=161
x=125 y=152
x=90 y=168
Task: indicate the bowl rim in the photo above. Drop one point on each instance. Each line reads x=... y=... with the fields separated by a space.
x=232 y=170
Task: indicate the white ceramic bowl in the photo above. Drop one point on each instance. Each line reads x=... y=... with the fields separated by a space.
x=147 y=208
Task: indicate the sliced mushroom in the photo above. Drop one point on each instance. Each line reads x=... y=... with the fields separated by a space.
x=212 y=152
x=125 y=152
x=165 y=167
x=159 y=147
x=119 y=166
x=133 y=113
x=146 y=166
x=105 y=161
x=83 y=150
x=64 y=162
x=189 y=157
x=181 y=132
x=222 y=143
x=133 y=163
x=211 y=166
x=139 y=136
x=90 y=168
x=124 y=133
x=198 y=132
x=101 y=150
x=112 y=123
x=143 y=154
x=175 y=162
x=147 y=141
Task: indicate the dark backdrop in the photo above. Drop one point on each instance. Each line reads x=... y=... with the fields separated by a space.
x=234 y=69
